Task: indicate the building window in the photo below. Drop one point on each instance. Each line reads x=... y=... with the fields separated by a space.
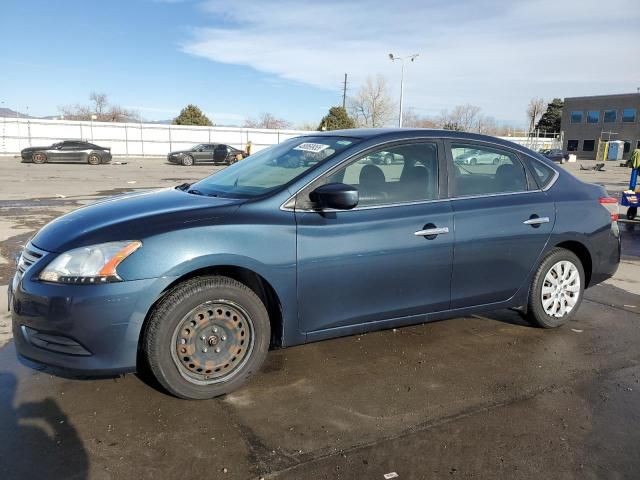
x=627 y=146
x=610 y=116
x=576 y=117
x=588 y=145
x=629 y=115
x=593 y=116
x=572 y=145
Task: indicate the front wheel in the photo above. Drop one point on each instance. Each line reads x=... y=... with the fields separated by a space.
x=557 y=289
x=186 y=160
x=39 y=158
x=206 y=337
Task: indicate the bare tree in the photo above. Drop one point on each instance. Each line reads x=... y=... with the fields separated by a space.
x=487 y=125
x=267 y=120
x=411 y=119
x=100 y=102
x=372 y=105
x=99 y=109
x=535 y=109
x=463 y=118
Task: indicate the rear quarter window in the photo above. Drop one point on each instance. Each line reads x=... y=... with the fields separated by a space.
x=543 y=173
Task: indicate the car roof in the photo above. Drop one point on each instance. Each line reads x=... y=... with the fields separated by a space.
x=408 y=133
x=401 y=133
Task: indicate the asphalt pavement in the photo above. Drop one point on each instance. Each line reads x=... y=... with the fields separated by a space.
x=474 y=397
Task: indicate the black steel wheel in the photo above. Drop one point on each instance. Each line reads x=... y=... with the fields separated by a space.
x=206 y=337
x=631 y=213
x=39 y=158
x=94 y=159
x=187 y=160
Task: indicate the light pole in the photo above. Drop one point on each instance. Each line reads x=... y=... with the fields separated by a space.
x=393 y=58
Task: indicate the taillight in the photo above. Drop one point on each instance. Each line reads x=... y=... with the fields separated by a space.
x=610 y=204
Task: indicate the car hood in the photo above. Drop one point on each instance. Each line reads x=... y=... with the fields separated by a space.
x=33 y=149
x=132 y=217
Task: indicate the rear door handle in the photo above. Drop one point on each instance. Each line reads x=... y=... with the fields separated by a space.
x=431 y=231
x=536 y=221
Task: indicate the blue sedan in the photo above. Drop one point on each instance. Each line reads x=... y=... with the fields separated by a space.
x=308 y=240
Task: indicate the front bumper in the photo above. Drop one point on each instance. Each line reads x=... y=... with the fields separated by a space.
x=91 y=329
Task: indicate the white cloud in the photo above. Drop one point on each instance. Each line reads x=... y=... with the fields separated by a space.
x=493 y=54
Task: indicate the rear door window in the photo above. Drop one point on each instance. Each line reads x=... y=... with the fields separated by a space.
x=483 y=170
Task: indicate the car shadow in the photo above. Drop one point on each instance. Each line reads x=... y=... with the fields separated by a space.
x=37 y=438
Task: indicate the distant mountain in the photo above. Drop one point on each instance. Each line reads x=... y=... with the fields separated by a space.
x=7 y=112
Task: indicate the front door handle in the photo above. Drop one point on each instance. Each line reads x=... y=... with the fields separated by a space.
x=428 y=232
x=535 y=221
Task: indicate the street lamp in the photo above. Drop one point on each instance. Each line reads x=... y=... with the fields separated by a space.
x=393 y=58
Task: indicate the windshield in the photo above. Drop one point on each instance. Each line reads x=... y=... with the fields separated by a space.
x=271 y=168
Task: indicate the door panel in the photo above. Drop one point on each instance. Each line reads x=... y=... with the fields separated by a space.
x=367 y=265
x=220 y=153
x=495 y=250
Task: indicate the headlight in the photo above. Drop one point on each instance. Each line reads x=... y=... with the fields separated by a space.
x=93 y=264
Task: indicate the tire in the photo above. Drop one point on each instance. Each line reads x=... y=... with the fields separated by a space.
x=631 y=213
x=388 y=159
x=473 y=161
x=94 y=159
x=558 y=261
x=206 y=337
x=187 y=160
x=39 y=158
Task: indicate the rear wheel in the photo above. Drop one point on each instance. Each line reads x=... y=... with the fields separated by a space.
x=94 y=159
x=206 y=337
x=39 y=158
x=557 y=289
x=186 y=160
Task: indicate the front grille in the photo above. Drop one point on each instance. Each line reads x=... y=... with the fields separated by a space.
x=30 y=255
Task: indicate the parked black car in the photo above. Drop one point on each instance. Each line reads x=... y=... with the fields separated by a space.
x=207 y=152
x=68 y=151
x=556 y=155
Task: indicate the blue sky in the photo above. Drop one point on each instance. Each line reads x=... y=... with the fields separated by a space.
x=237 y=58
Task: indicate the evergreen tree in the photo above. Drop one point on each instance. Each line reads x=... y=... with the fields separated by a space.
x=336 y=119
x=550 y=120
x=192 y=115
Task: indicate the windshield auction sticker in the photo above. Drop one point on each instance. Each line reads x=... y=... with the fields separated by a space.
x=311 y=147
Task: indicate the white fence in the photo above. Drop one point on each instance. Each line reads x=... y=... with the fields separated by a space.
x=135 y=139
x=149 y=139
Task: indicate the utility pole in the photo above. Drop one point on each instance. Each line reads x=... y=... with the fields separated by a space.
x=344 y=92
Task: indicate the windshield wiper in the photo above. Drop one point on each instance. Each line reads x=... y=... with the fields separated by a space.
x=198 y=192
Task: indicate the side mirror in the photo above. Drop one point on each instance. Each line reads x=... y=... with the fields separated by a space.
x=338 y=196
